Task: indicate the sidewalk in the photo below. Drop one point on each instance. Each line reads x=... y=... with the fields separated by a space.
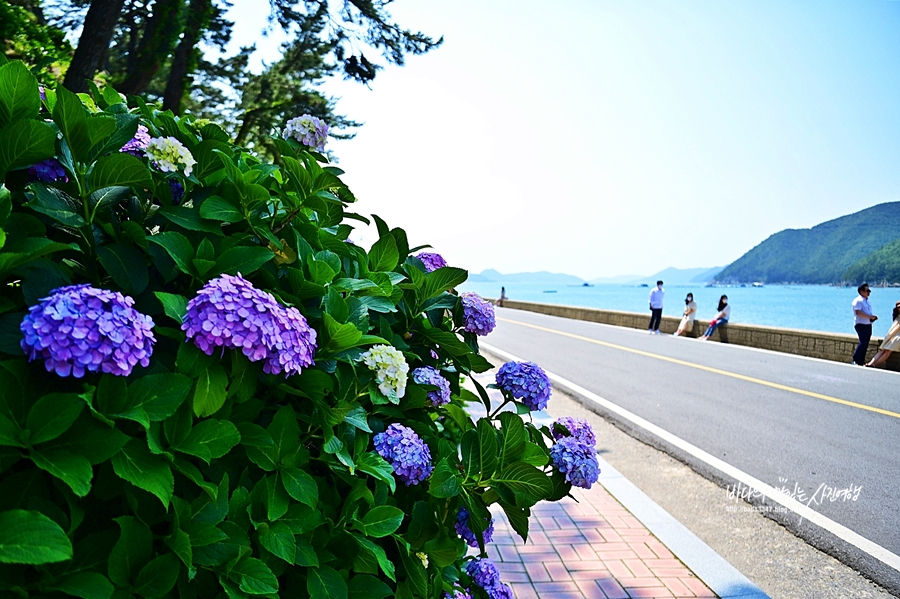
x=609 y=542
x=593 y=549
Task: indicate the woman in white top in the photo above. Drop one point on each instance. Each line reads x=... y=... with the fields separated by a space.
x=690 y=313
x=720 y=318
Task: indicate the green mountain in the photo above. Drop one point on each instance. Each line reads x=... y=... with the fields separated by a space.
x=860 y=246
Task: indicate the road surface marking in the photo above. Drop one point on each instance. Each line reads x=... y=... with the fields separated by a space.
x=733 y=375
x=839 y=530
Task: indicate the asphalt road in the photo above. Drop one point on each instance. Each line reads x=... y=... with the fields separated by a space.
x=839 y=459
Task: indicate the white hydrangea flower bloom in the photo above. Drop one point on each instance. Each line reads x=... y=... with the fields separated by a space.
x=168 y=154
x=390 y=368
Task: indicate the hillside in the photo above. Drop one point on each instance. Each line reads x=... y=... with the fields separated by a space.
x=881 y=266
x=835 y=251
x=680 y=276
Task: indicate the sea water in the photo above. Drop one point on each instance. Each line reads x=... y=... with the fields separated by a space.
x=808 y=307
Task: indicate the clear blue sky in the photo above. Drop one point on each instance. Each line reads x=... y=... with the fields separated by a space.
x=602 y=138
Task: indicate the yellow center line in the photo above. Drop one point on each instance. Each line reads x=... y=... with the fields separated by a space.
x=733 y=375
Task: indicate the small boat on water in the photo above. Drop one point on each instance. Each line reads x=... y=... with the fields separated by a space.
x=758 y=284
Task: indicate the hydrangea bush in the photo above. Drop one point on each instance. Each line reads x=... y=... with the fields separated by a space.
x=208 y=393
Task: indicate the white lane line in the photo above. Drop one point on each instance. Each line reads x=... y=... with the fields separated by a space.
x=839 y=530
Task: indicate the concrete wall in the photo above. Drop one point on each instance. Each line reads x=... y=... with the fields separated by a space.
x=827 y=346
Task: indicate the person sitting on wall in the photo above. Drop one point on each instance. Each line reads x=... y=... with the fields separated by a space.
x=690 y=313
x=891 y=342
x=720 y=318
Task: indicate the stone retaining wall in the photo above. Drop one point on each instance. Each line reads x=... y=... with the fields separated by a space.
x=827 y=346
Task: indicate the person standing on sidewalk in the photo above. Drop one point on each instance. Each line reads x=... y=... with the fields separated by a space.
x=656 y=307
x=863 y=319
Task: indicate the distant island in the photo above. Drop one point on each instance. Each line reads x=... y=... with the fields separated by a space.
x=864 y=246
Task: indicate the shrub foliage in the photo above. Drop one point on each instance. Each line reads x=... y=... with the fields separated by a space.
x=202 y=475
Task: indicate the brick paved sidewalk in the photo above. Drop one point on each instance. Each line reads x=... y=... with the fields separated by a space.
x=590 y=549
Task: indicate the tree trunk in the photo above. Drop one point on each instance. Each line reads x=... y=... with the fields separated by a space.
x=163 y=28
x=184 y=59
x=99 y=25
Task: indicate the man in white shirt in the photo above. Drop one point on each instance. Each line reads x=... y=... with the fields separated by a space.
x=863 y=319
x=656 y=307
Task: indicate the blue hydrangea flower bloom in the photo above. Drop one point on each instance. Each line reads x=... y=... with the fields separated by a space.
x=577 y=427
x=177 y=191
x=230 y=312
x=467 y=534
x=478 y=314
x=407 y=454
x=431 y=261
x=80 y=329
x=312 y=132
x=48 y=171
x=458 y=594
x=577 y=461
x=526 y=382
x=484 y=572
x=500 y=591
x=137 y=145
x=427 y=375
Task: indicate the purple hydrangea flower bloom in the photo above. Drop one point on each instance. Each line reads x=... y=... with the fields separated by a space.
x=408 y=455
x=48 y=171
x=577 y=461
x=526 y=382
x=577 y=427
x=467 y=534
x=80 y=328
x=458 y=594
x=478 y=314
x=427 y=375
x=230 y=312
x=431 y=261
x=137 y=146
x=43 y=93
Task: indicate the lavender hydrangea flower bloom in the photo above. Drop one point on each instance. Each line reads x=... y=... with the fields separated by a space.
x=137 y=145
x=458 y=594
x=43 y=92
x=312 y=132
x=48 y=171
x=390 y=368
x=408 y=455
x=80 y=328
x=230 y=312
x=431 y=261
x=467 y=534
x=577 y=427
x=478 y=314
x=577 y=461
x=526 y=382
x=427 y=375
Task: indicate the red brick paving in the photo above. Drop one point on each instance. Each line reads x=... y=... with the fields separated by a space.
x=590 y=549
